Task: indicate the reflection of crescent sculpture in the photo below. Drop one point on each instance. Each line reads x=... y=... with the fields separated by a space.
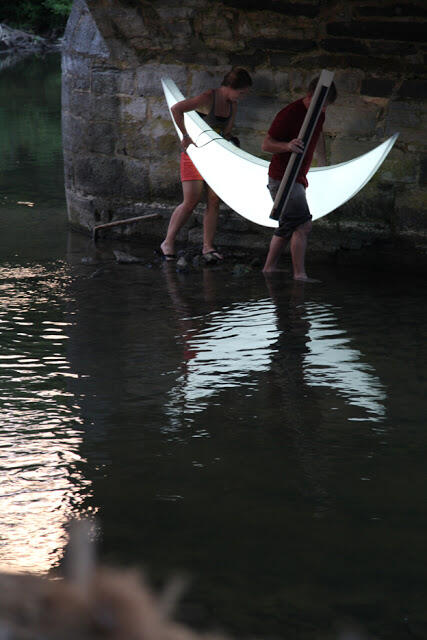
x=230 y=350
x=240 y=179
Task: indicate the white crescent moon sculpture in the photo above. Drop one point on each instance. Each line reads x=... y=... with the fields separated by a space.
x=240 y=179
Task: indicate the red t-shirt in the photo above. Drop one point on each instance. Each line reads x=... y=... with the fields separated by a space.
x=286 y=126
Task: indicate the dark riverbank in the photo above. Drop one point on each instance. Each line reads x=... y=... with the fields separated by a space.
x=16 y=45
x=12 y=39
x=332 y=242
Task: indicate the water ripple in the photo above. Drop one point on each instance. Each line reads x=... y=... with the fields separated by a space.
x=235 y=344
x=333 y=362
x=41 y=482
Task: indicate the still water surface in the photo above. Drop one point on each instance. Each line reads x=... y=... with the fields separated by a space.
x=264 y=438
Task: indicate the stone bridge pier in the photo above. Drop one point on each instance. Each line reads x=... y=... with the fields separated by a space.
x=121 y=152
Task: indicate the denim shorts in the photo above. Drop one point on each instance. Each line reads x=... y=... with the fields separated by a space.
x=296 y=212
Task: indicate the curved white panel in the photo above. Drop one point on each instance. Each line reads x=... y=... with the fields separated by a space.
x=240 y=179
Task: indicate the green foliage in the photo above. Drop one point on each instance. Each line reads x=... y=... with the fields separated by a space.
x=59 y=8
x=39 y=16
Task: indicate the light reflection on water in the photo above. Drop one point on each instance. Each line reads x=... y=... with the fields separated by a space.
x=237 y=343
x=233 y=344
x=333 y=362
x=41 y=486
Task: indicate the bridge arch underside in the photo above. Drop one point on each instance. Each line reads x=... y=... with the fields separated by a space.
x=121 y=152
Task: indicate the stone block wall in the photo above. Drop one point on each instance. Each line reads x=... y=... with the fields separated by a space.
x=121 y=151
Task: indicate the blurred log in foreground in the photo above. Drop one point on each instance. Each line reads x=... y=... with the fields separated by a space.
x=94 y=603
x=88 y=603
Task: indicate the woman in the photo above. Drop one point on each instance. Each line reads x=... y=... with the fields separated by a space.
x=218 y=108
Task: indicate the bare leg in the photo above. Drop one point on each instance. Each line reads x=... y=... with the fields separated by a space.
x=277 y=245
x=210 y=221
x=192 y=191
x=298 y=249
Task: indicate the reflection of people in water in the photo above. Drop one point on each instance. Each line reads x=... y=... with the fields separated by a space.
x=187 y=324
x=301 y=415
x=227 y=351
x=223 y=350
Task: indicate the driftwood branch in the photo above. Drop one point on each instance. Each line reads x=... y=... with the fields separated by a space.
x=116 y=223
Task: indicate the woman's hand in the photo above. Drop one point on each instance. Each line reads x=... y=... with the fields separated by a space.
x=185 y=142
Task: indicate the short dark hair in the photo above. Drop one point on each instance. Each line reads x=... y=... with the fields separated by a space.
x=332 y=93
x=237 y=78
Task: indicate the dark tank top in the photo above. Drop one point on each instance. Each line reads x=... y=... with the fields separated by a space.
x=217 y=123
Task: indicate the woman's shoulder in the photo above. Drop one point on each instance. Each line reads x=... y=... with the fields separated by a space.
x=207 y=96
x=202 y=101
x=208 y=93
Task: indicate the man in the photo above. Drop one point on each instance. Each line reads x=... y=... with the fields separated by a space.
x=282 y=140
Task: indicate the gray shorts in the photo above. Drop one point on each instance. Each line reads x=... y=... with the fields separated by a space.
x=296 y=212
